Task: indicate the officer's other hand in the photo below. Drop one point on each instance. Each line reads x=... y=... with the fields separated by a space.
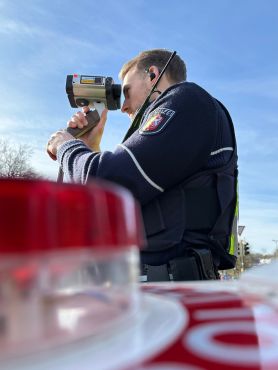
x=92 y=138
x=57 y=139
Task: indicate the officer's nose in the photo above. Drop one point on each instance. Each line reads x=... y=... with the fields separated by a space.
x=124 y=108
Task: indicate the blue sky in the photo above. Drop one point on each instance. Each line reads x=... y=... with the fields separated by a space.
x=230 y=48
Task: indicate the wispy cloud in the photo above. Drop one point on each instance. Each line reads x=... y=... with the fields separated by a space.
x=11 y=27
x=53 y=49
x=262 y=86
x=253 y=142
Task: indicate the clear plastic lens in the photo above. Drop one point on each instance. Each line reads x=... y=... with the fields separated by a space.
x=63 y=297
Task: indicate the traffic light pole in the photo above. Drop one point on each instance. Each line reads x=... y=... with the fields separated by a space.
x=241 y=255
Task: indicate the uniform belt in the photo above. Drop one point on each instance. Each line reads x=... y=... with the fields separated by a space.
x=156 y=273
x=197 y=264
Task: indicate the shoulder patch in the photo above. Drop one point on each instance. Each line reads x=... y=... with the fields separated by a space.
x=156 y=121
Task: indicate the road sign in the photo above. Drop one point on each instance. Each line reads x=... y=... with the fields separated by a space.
x=240 y=229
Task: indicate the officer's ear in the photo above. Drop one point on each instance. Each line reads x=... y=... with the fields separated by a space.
x=153 y=73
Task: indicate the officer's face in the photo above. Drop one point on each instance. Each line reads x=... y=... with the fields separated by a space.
x=136 y=87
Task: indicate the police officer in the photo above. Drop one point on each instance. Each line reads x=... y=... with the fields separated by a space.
x=180 y=164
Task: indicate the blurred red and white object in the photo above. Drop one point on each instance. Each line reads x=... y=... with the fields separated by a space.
x=68 y=262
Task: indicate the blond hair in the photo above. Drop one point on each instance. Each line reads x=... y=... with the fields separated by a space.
x=176 y=71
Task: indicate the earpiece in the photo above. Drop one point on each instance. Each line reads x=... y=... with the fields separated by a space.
x=152 y=75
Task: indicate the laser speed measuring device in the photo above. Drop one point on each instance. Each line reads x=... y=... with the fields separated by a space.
x=97 y=92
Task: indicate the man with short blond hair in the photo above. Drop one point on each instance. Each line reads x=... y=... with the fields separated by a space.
x=176 y=71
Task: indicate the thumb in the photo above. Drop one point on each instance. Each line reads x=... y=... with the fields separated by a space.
x=103 y=118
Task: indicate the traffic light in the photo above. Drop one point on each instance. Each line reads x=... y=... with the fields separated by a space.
x=246 y=249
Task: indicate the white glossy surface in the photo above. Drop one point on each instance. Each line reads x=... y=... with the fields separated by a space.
x=157 y=324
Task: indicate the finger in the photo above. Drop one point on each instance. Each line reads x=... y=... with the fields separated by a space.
x=82 y=118
x=71 y=124
x=86 y=109
x=76 y=120
x=80 y=115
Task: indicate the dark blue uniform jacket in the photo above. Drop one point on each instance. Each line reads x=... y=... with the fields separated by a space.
x=180 y=165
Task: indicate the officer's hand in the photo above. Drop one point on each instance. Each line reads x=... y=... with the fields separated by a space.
x=57 y=139
x=92 y=138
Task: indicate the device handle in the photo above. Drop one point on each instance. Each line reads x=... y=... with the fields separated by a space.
x=93 y=119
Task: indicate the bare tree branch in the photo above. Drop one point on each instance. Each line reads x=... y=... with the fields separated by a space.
x=15 y=161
